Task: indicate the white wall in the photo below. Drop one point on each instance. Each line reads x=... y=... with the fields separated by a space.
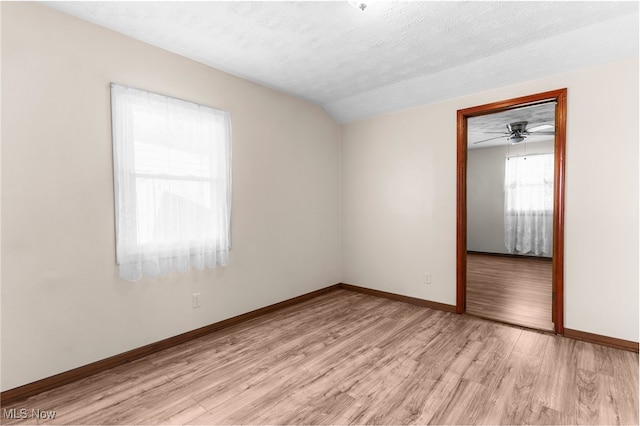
x=399 y=197
x=63 y=305
x=485 y=194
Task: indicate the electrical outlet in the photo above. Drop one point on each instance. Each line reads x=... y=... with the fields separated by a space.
x=427 y=277
x=196 y=300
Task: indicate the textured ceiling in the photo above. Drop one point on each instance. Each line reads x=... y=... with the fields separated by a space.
x=393 y=55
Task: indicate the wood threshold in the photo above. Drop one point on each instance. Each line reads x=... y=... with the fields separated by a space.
x=48 y=383
x=599 y=339
x=524 y=327
x=400 y=298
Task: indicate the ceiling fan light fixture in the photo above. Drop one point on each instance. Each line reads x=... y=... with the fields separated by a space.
x=358 y=4
x=518 y=131
x=517 y=127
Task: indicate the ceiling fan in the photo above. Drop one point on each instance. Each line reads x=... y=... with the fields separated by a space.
x=518 y=131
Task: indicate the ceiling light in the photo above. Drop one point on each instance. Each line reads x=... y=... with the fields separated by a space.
x=359 y=4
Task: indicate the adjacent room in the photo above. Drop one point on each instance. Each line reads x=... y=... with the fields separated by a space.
x=510 y=211
x=319 y=212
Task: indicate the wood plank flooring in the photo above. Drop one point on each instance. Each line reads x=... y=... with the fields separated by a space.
x=351 y=358
x=515 y=290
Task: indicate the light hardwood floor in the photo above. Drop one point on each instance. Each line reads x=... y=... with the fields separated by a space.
x=516 y=290
x=350 y=358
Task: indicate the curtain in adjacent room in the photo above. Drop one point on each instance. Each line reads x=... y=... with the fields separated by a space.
x=528 y=204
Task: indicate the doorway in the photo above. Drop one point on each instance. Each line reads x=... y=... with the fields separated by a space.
x=551 y=250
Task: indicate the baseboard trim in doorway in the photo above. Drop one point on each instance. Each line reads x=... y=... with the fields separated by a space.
x=599 y=339
x=48 y=383
x=393 y=296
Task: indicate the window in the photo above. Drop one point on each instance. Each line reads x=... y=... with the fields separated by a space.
x=172 y=178
x=528 y=204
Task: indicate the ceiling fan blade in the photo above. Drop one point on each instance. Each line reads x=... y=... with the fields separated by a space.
x=542 y=133
x=540 y=128
x=490 y=139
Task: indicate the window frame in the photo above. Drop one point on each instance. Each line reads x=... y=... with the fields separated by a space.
x=130 y=195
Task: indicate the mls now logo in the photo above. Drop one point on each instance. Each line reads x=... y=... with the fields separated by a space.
x=23 y=413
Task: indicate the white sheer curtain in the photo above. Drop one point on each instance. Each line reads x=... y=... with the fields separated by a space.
x=172 y=179
x=528 y=204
